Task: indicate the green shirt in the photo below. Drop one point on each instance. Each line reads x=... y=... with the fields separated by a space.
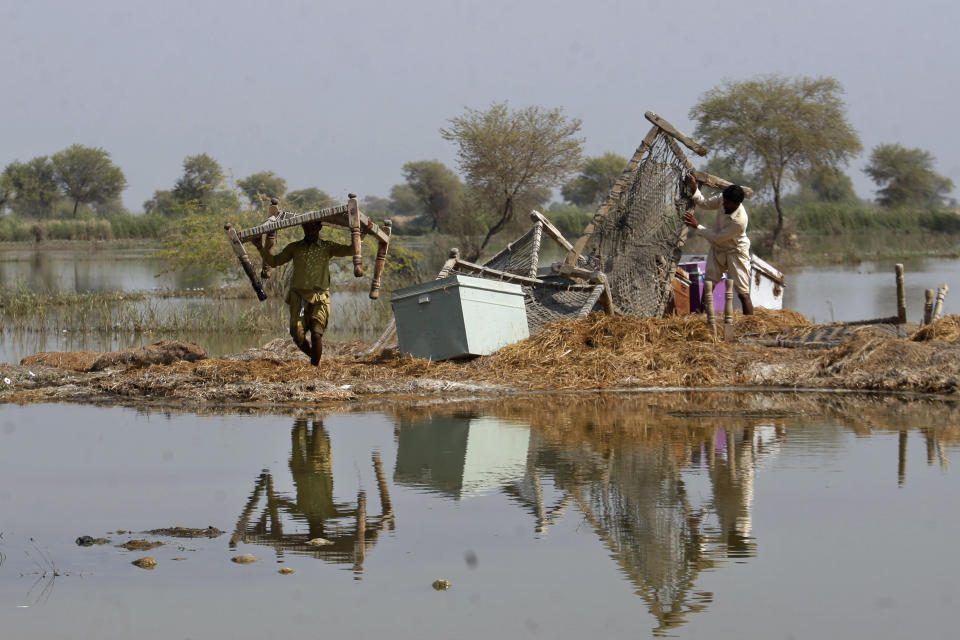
x=311 y=262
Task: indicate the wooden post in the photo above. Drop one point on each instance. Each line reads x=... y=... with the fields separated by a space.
x=938 y=305
x=353 y=220
x=708 y=307
x=901 y=296
x=927 y=306
x=728 y=331
x=606 y=298
x=381 y=260
x=902 y=459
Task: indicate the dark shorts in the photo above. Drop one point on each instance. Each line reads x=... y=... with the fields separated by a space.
x=309 y=310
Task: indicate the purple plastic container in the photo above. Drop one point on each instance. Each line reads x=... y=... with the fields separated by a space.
x=696 y=266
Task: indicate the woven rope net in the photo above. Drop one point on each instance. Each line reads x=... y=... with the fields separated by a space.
x=637 y=244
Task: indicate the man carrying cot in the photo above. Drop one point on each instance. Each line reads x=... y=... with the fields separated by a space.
x=309 y=294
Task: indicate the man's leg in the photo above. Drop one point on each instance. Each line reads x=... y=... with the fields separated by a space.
x=297 y=330
x=317 y=314
x=316 y=344
x=739 y=265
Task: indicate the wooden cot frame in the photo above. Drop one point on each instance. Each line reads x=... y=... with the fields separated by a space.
x=347 y=216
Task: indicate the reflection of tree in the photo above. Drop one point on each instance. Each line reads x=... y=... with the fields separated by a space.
x=342 y=525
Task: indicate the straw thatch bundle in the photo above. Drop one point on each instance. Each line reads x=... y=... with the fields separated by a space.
x=946 y=328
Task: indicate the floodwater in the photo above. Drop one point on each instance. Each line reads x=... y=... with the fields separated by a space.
x=137 y=269
x=573 y=517
x=824 y=293
x=828 y=293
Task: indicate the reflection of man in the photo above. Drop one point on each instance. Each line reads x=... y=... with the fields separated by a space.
x=729 y=245
x=311 y=465
x=309 y=294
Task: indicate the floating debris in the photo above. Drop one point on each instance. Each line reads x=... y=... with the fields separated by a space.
x=186 y=532
x=319 y=542
x=145 y=563
x=139 y=545
x=285 y=571
x=89 y=541
x=441 y=585
x=245 y=558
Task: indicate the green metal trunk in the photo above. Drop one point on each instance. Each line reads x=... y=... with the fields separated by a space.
x=458 y=316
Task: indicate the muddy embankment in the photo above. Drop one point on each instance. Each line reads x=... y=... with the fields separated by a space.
x=598 y=353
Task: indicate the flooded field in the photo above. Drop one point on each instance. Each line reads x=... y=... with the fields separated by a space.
x=688 y=515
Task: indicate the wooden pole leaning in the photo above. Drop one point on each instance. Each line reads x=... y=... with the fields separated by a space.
x=938 y=305
x=901 y=296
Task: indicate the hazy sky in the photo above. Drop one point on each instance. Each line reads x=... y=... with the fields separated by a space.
x=339 y=95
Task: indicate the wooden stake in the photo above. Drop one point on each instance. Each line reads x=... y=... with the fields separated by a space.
x=708 y=307
x=728 y=332
x=928 y=306
x=902 y=459
x=901 y=296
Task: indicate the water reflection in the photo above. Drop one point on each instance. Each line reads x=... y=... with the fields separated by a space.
x=326 y=528
x=577 y=516
x=626 y=470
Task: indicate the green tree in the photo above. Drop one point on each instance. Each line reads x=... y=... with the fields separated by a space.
x=438 y=189
x=594 y=181
x=906 y=176
x=375 y=207
x=779 y=127
x=86 y=175
x=162 y=203
x=826 y=184
x=196 y=245
x=202 y=176
x=309 y=199
x=32 y=187
x=6 y=190
x=510 y=157
x=262 y=186
x=404 y=201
